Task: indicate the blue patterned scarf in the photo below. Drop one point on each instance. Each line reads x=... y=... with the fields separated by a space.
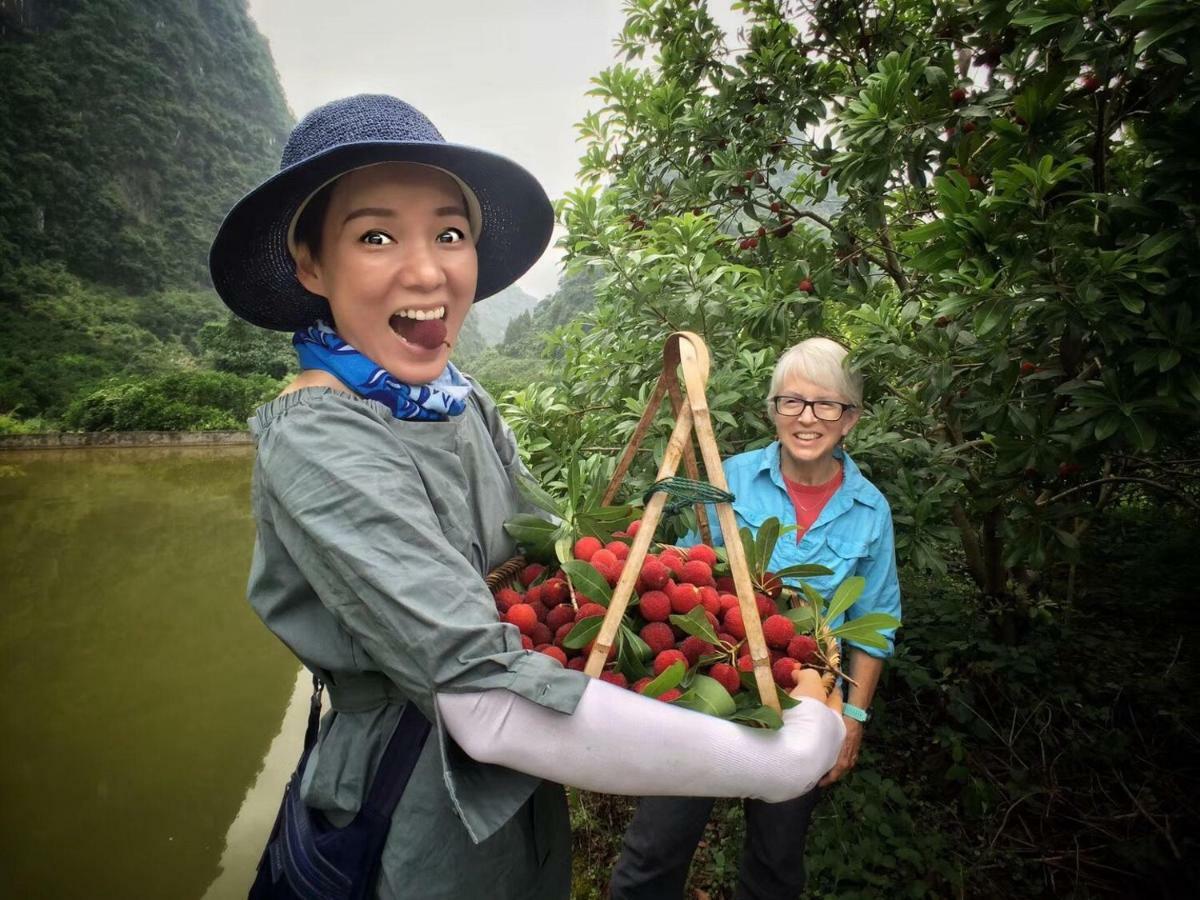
x=320 y=347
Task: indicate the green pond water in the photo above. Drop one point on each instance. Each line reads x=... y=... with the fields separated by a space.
x=145 y=741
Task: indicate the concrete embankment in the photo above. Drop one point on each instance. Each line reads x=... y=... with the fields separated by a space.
x=66 y=440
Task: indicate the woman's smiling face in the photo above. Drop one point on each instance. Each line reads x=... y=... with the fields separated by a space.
x=807 y=442
x=396 y=249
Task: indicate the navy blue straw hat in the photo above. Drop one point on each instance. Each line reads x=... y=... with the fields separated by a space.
x=251 y=262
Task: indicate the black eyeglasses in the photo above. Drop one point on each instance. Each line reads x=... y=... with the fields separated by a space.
x=825 y=410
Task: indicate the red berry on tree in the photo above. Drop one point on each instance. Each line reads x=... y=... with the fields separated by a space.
x=806 y=286
x=958 y=96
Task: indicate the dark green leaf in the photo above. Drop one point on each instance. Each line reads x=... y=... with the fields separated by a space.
x=583 y=632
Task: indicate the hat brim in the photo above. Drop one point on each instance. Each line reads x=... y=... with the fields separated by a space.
x=255 y=274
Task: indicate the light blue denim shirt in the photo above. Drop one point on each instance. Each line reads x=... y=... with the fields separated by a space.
x=852 y=536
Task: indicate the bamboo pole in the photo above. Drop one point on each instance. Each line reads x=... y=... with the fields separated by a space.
x=641 y=544
x=736 y=554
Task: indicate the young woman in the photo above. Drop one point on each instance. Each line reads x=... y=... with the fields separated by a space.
x=382 y=481
x=804 y=479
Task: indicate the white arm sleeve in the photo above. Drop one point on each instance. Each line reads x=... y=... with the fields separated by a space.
x=619 y=742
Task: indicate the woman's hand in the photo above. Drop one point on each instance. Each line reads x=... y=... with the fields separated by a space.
x=848 y=757
x=808 y=684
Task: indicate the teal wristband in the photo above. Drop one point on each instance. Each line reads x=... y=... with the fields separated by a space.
x=855 y=713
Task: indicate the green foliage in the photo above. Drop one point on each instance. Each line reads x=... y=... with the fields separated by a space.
x=179 y=401
x=241 y=348
x=994 y=203
x=131 y=127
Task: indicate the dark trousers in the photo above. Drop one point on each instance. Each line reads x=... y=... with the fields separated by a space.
x=662 y=838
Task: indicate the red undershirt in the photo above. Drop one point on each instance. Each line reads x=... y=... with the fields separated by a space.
x=810 y=499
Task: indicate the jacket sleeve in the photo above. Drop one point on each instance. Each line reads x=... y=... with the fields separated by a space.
x=882 y=593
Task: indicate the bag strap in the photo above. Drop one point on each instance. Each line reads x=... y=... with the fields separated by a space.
x=398 y=761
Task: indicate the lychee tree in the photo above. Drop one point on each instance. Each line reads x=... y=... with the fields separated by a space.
x=994 y=202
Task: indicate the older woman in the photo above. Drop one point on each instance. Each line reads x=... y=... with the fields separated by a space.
x=382 y=481
x=804 y=478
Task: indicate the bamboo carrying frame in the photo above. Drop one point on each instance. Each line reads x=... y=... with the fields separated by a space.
x=685 y=350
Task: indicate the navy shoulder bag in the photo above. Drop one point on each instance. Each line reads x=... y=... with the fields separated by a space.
x=306 y=857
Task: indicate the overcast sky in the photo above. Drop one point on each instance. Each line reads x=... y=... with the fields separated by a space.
x=507 y=75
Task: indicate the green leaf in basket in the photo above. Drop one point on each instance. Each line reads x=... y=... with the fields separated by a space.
x=764 y=542
x=803 y=617
x=631 y=654
x=804 y=570
x=563 y=548
x=845 y=595
x=759 y=717
x=670 y=678
x=584 y=631
x=535 y=494
x=531 y=531
x=706 y=695
x=588 y=581
x=866 y=629
x=696 y=624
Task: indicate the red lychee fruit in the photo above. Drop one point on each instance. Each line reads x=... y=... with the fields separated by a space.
x=585 y=547
x=563 y=614
x=654 y=574
x=805 y=286
x=727 y=676
x=554 y=653
x=784 y=672
x=733 y=623
x=745 y=663
x=658 y=636
x=541 y=634
x=761 y=232
x=958 y=96
x=697 y=572
x=1028 y=368
x=526 y=642
x=669 y=696
x=640 y=684
x=604 y=557
x=778 y=630
x=561 y=632
x=1069 y=469
x=588 y=610
x=711 y=599
x=531 y=573
x=802 y=648
x=675 y=563
x=610 y=572
x=655 y=606
x=824 y=170
x=619 y=549
x=684 y=597
x=693 y=648
x=1089 y=83
x=506 y=598
x=554 y=591
x=666 y=659
x=728 y=601
x=523 y=616
x=968 y=127
x=615 y=678
x=725 y=584
x=539 y=609
x=534 y=594
x=727 y=639
x=772 y=585
x=578 y=663
x=766 y=606
x=703 y=553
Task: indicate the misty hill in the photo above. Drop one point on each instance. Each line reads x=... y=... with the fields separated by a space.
x=130 y=127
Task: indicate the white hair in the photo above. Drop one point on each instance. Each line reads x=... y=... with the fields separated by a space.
x=823 y=362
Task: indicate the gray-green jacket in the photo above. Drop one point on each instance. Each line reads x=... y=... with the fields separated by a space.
x=373 y=537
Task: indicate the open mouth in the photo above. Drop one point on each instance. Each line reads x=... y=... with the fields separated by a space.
x=424 y=327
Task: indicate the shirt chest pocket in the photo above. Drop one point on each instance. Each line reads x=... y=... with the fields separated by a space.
x=839 y=553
